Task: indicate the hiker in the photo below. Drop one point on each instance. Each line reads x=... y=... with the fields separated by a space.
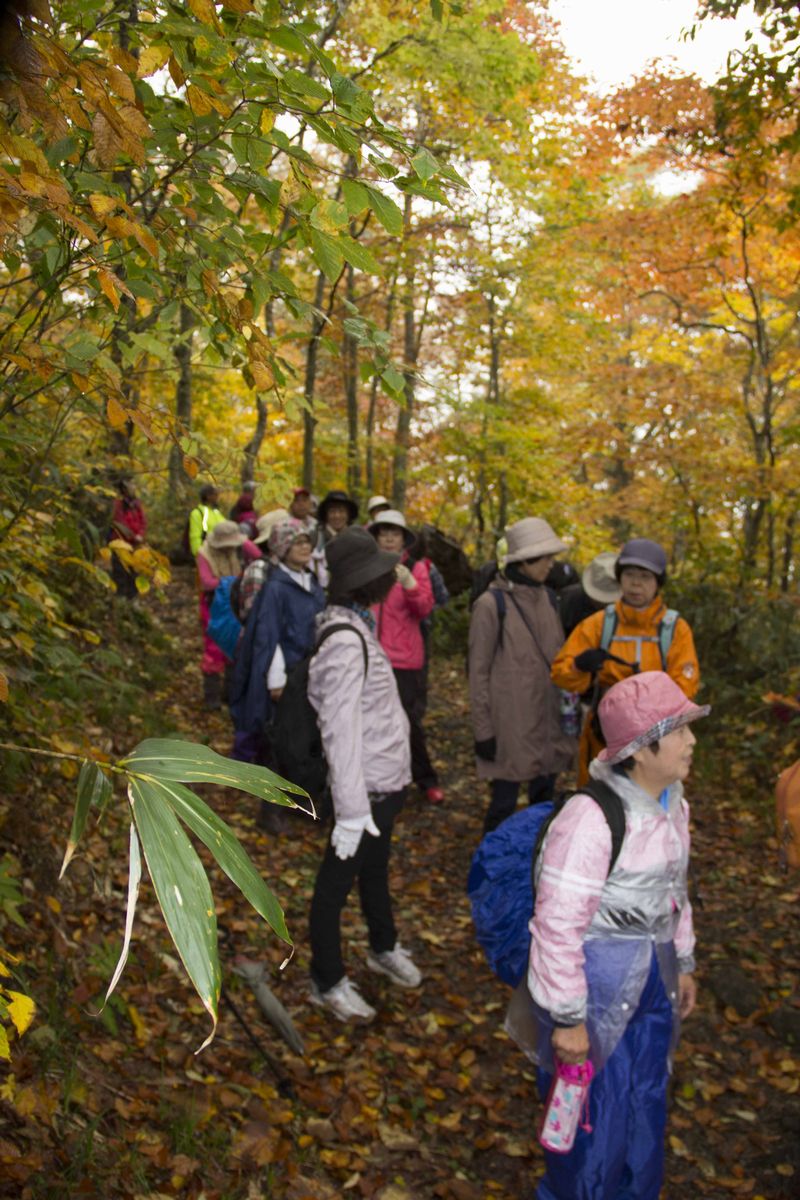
x=204 y=517
x=637 y=633
x=514 y=634
x=364 y=734
x=244 y=510
x=611 y=958
x=220 y=556
x=376 y=505
x=278 y=633
x=597 y=587
x=301 y=508
x=399 y=618
x=257 y=573
x=336 y=511
x=128 y=521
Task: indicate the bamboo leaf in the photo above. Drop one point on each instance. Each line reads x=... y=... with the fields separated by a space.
x=182 y=888
x=188 y=762
x=229 y=853
x=93 y=788
x=134 y=879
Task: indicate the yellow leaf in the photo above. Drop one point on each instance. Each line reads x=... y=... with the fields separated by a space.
x=106 y=142
x=199 y=103
x=238 y=6
x=191 y=466
x=120 y=83
x=204 y=11
x=152 y=59
x=178 y=77
x=21 y=1010
x=108 y=285
x=139 y=1027
x=145 y=239
x=53 y=903
x=267 y=120
x=264 y=379
x=119 y=226
x=3 y=696
x=5 y=1049
x=142 y=584
x=82 y=382
x=117 y=416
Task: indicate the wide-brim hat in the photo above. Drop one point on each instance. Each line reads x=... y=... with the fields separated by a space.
x=336 y=498
x=599 y=581
x=394 y=518
x=264 y=524
x=226 y=535
x=376 y=502
x=641 y=709
x=531 y=538
x=354 y=559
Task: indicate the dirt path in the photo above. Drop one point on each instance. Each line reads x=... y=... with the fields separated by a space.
x=432 y=1100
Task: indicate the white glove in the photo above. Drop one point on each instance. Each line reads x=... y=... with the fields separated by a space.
x=404 y=577
x=346 y=835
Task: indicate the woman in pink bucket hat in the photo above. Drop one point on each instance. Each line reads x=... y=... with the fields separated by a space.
x=611 y=959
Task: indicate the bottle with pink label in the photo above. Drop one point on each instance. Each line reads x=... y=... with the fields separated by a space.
x=567 y=1106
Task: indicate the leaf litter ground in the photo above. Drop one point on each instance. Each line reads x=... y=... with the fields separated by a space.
x=432 y=1100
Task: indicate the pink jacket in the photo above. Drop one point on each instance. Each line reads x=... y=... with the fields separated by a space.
x=398 y=619
x=644 y=898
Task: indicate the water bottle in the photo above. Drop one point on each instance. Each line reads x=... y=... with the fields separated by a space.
x=567 y=1106
x=570 y=713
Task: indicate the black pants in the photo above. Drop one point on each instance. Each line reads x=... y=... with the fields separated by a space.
x=504 y=797
x=413 y=689
x=335 y=879
x=124 y=577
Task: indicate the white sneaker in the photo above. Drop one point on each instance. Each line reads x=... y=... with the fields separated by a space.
x=344 y=1000
x=398 y=965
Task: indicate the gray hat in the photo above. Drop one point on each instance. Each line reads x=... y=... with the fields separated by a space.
x=599 y=581
x=531 y=538
x=354 y=559
x=391 y=516
x=225 y=536
x=642 y=552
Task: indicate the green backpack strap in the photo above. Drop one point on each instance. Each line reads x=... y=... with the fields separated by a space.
x=666 y=632
x=610 y=620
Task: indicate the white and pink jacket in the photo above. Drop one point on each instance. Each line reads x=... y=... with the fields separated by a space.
x=593 y=933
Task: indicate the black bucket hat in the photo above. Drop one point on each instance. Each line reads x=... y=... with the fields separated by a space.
x=354 y=560
x=336 y=498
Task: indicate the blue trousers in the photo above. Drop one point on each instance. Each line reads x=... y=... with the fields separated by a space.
x=623 y=1157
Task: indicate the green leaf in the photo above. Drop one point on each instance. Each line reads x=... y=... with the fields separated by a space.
x=134 y=879
x=358 y=255
x=393 y=378
x=189 y=762
x=328 y=253
x=304 y=85
x=424 y=164
x=387 y=212
x=182 y=888
x=229 y=853
x=356 y=196
x=93 y=788
x=437 y=9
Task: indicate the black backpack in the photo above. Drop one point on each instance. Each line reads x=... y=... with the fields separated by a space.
x=293 y=733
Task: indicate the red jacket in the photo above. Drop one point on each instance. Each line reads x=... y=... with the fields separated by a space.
x=398 y=619
x=128 y=515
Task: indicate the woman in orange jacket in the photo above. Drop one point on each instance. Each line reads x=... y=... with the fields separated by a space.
x=642 y=635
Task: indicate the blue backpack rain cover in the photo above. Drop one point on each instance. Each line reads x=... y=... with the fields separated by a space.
x=224 y=626
x=500 y=889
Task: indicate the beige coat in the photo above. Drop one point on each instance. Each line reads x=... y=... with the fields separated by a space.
x=511 y=694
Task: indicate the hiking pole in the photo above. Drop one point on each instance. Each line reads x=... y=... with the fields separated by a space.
x=285 y=1085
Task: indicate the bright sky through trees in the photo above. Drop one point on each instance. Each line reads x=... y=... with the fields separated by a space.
x=615 y=39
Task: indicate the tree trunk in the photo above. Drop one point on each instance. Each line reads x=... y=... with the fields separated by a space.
x=787 y=564
x=405 y=413
x=350 y=365
x=310 y=383
x=183 y=402
x=373 y=395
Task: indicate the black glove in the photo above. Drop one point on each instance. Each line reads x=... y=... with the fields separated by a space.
x=591 y=660
x=487 y=749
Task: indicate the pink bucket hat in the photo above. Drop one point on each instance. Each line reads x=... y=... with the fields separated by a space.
x=640 y=710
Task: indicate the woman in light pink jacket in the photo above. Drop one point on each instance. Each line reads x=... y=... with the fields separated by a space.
x=364 y=731
x=399 y=618
x=612 y=949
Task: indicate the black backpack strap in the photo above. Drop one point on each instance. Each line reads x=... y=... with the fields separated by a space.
x=610 y=804
x=337 y=627
x=500 y=605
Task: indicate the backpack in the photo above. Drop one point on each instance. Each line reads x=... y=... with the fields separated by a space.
x=481 y=578
x=787 y=816
x=500 y=882
x=293 y=732
x=664 y=635
x=224 y=625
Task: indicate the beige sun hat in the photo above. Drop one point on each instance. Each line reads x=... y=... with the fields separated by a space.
x=599 y=581
x=265 y=524
x=531 y=538
x=226 y=535
x=392 y=516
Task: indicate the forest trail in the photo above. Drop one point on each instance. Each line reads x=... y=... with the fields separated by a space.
x=430 y=1101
